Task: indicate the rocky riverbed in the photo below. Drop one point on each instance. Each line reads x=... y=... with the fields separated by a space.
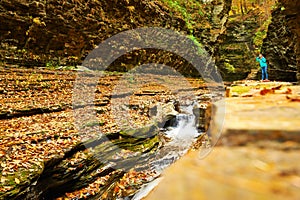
x=46 y=155
x=256 y=156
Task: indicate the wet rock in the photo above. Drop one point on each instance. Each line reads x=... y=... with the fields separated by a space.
x=202 y=114
x=88 y=160
x=165 y=114
x=205 y=97
x=291 y=9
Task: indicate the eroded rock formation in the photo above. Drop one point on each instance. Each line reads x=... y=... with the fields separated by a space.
x=281 y=45
x=278 y=24
x=293 y=20
x=63 y=32
x=235 y=57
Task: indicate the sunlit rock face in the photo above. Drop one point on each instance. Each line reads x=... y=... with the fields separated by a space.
x=34 y=33
x=239 y=45
x=235 y=56
x=281 y=46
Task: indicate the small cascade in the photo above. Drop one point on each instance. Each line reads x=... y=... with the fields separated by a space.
x=185 y=129
x=182 y=134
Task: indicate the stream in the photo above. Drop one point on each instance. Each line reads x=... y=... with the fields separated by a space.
x=60 y=176
x=182 y=134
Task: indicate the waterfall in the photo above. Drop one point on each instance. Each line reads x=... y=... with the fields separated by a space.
x=185 y=128
x=182 y=135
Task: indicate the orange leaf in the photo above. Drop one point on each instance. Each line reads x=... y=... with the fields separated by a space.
x=266 y=91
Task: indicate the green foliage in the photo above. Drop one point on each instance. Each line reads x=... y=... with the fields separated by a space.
x=261 y=34
x=94 y=123
x=259 y=37
x=199 y=45
x=275 y=5
x=240 y=89
x=201 y=13
x=113 y=73
x=52 y=64
x=229 y=67
x=69 y=67
x=191 y=11
x=178 y=7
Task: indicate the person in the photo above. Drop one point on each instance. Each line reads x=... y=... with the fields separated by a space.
x=264 y=67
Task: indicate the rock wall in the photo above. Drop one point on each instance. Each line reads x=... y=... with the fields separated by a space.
x=293 y=20
x=235 y=56
x=63 y=32
x=67 y=30
x=242 y=41
x=281 y=44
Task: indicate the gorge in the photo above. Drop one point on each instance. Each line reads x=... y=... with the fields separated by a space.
x=42 y=47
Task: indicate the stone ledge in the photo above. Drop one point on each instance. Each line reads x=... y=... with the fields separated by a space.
x=232 y=173
x=255 y=158
x=270 y=117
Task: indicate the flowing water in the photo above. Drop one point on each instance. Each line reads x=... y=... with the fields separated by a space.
x=182 y=136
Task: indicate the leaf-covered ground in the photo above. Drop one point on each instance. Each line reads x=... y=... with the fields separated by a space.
x=37 y=123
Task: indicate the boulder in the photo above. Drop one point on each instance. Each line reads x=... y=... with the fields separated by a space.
x=202 y=114
x=165 y=115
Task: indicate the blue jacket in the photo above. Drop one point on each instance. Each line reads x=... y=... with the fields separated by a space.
x=262 y=61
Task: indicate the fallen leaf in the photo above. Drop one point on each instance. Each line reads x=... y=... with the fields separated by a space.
x=293 y=98
x=247 y=95
x=2 y=153
x=286 y=91
x=3 y=179
x=276 y=88
x=17 y=181
x=266 y=91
